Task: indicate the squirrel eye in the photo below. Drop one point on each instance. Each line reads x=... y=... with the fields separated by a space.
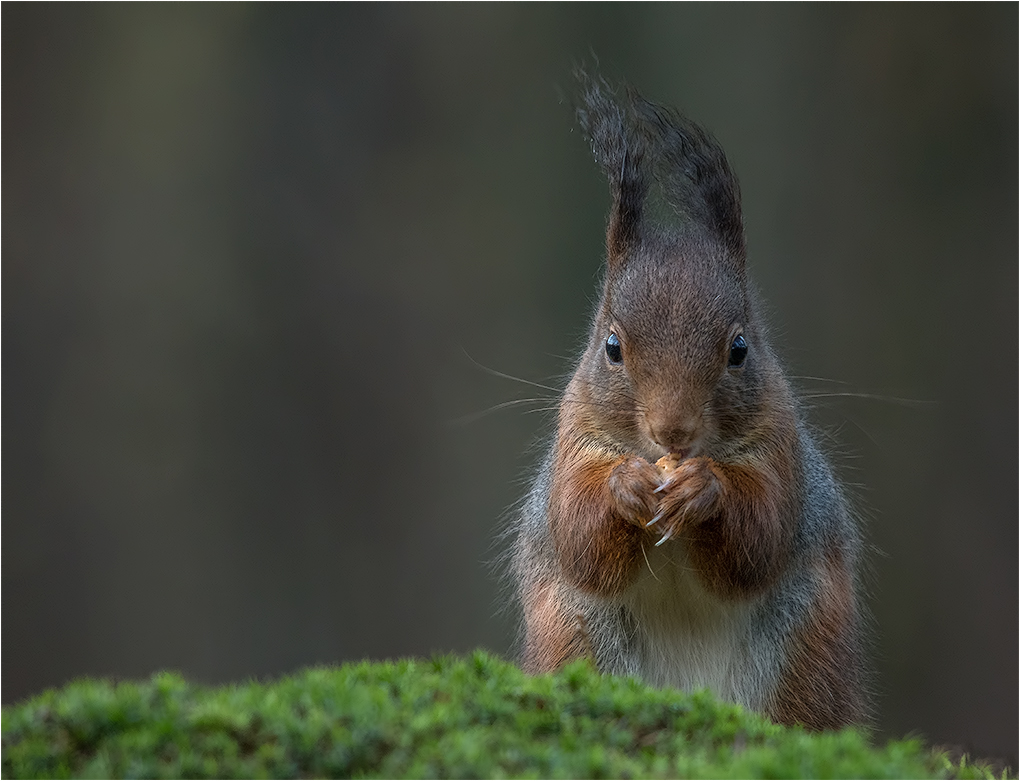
x=613 y=351
x=738 y=351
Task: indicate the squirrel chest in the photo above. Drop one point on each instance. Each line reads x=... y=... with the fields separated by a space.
x=684 y=637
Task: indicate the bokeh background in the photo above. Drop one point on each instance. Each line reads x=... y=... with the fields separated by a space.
x=258 y=262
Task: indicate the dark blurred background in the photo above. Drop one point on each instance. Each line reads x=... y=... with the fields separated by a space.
x=254 y=255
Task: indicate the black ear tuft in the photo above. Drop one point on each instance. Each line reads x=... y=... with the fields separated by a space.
x=619 y=150
x=693 y=172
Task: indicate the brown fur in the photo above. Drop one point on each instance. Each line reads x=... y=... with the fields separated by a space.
x=821 y=687
x=597 y=548
x=739 y=543
x=554 y=635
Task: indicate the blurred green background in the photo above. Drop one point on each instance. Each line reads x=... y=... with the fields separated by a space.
x=254 y=254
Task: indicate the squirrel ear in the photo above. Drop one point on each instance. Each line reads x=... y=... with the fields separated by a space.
x=693 y=172
x=619 y=151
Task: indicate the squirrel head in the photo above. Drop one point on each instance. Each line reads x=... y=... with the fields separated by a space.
x=676 y=362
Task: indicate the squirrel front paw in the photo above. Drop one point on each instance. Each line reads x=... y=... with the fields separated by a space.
x=632 y=486
x=689 y=494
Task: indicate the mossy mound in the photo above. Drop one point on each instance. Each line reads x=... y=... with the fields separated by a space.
x=474 y=717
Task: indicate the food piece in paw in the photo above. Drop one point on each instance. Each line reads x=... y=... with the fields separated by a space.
x=668 y=463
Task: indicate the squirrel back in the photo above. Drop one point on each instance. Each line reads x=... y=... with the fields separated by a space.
x=684 y=527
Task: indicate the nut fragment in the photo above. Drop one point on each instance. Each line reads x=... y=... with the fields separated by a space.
x=668 y=463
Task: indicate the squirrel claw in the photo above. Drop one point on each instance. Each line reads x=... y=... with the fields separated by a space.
x=656 y=519
x=666 y=536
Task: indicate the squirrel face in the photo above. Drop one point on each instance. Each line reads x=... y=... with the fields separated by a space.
x=671 y=362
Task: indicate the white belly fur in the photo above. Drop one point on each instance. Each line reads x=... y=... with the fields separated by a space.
x=690 y=639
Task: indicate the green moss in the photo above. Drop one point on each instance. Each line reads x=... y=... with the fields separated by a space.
x=474 y=717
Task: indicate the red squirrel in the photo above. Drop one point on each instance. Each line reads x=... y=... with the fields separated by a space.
x=684 y=527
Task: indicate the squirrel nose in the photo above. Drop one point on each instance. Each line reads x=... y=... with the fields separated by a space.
x=673 y=436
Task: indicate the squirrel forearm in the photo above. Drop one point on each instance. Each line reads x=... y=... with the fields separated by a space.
x=596 y=549
x=744 y=546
